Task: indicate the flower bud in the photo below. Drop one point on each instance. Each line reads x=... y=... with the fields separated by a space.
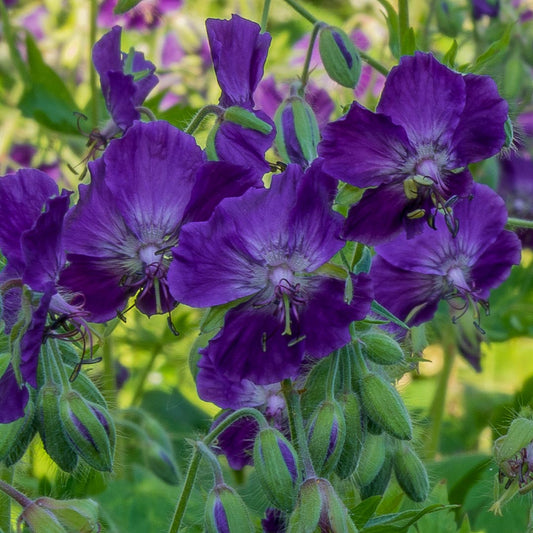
x=371 y=459
x=381 y=349
x=519 y=435
x=384 y=406
x=246 y=119
x=40 y=520
x=225 y=512
x=80 y=516
x=339 y=56
x=276 y=464
x=319 y=508
x=90 y=430
x=55 y=441
x=16 y=436
x=410 y=473
x=161 y=463
x=380 y=482
x=327 y=433
x=297 y=133
x=354 y=430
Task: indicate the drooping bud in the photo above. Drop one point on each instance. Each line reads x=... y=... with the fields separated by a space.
x=90 y=430
x=75 y=515
x=349 y=456
x=297 y=133
x=371 y=459
x=519 y=435
x=40 y=520
x=379 y=484
x=276 y=464
x=410 y=473
x=161 y=463
x=16 y=436
x=384 y=406
x=326 y=436
x=319 y=508
x=339 y=56
x=225 y=512
x=381 y=349
x=246 y=119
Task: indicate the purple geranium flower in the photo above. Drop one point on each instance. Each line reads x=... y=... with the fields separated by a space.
x=431 y=122
x=126 y=80
x=266 y=247
x=145 y=15
x=239 y=53
x=485 y=7
x=30 y=239
x=146 y=185
x=412 y=276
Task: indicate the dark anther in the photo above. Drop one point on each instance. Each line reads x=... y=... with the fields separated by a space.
x=171 y=326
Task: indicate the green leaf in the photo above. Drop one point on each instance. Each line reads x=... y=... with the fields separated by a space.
x=493 y=51
x=449 y=56
x=364 y=511
x=380 y=310
x=400 y=522
x=394 y=28
x=125 y=5
x=46 y=97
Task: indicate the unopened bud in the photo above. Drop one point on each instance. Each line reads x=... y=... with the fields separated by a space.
x=246 y=119
x=276 y=464
x=410 y=473
x=354 y=440
x=380 y=482
x=319 y=508
x=297 y=133
x=384 y=406
x=161 y=463
x=225 y=512
x=327 y=433
x=90 y=430
x=80 y=516
x=40 y=520
x=371 y=459
x=339 y=56
x=519 y=435
x=381 y=349
x=16 y=436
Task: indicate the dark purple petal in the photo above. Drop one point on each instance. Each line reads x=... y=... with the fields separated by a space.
x=273 y=522
x=239 y=52
x=147 y=301
x=22 y=197
x=119 y=97
x=107 y=56
x=267 y=96
x=288 y=458
x=425 y=97
x=13 y=399
x=221 y=520
x=480 y=133
x=364 y=148
x=22 y=154
x=320 y=102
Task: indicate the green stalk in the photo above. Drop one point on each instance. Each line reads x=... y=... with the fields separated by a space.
x=6 y=475
x=373 y=63
x=264 y=16
x=513 y=222
x=305 y=14
x=307 y=62
x=9 y=36
x=95 y=93
x=144 y=375
x=332 y=375
x=12 y=492
x=203 y=113
x=213 y=461
x=110 y=378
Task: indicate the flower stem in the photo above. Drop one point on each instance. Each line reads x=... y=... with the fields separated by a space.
x=373 y=63
x=6 y=475
x=110 y=379
x=12 y=45
x=332 y=375
x=199 y=117
x=179 y=512
x=12 y=492
x=215 y=465
x=307 y=62
x=436 y=411
x=264 y=16
x=296 y=424
x=513 y=222
x=92 y=71
x=305 y=14
x=144 y=375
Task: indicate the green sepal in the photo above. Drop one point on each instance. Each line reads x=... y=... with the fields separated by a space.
x=236 y=512
x=410 y=473
x=246 y=119
x=381 y=349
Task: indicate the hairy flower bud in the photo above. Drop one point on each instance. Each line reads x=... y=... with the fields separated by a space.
x=161 y=463
x=80 y=516
x=16 y=436
x=225 y=512
x=90 y=430
x=276 y=464
x=40 y=520
x=246 y=119
x=384 y=406
x=327 y=433
x=381 y=349
x=339 y=56
x=297 y=133
x=410 y=473
x=379 y=484
x=371 y=458
x=354 y=440
x=519 y=435
x=319 y=508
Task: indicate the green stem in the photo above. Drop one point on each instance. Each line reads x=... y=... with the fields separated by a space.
x=12 y=492
x=12 y=45
x=110 y=379
x=195 y=461
x=55 y=364
x=513 y=222
x=436 y=411
x=6 y=475
x=95 y=94
x=332 y=375
x=427 y=25
x=264 y=16
x=305 y=14
x=373 y=63
x=403 y=23
x=307 y=62
x=215 y=465
x=144 y=375
x=296 y=424
x=202 y=113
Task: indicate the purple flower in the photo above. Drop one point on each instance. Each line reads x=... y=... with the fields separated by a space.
x=266 y=247
x=145 y=15
x=431 y=122
x=126 y=80
x=239 y=53
x=146 y=185
x=485 y=7
x=412 y=276
x=30 y=240
x=516 y=188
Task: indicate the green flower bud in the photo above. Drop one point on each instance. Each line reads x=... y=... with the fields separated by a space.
x=225 y=512
x=410 y=473
x=319 y=508
x=55 y=441
x=327 y=433
x=246 y=119
x=276 y=465
x=380 y=482
x=90 y=430
x=40 y=520
x=297 y=133
x=371 y=459
x=354 y=430
x=80 y=516
x=16 y=436
x=339 y=56
x=384 y=406
x=161 y=463
x=381 y=349
x=519 y=435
